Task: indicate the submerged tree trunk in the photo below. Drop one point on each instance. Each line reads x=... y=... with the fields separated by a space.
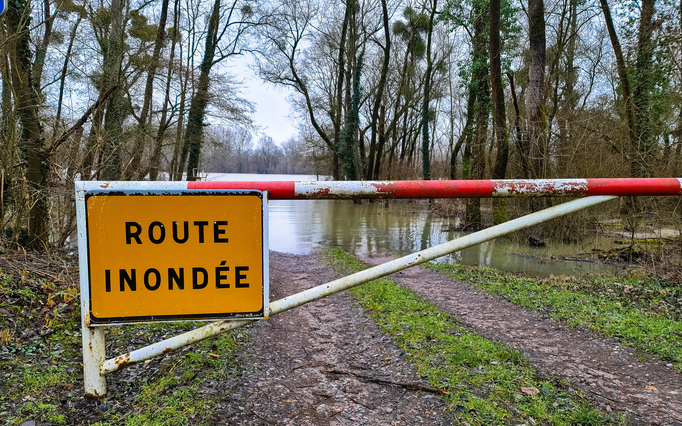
x=481 y=105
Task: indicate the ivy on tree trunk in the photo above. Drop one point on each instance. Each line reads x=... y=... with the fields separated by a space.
x=37 y=159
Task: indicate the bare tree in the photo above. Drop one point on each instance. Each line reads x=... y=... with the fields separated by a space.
x=238 y=18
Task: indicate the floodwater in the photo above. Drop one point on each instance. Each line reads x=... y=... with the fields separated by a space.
x=303 y=226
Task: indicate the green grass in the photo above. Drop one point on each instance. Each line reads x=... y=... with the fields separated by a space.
x=173 y=395
x=41 y=371
x=604 y=306
x=487 y=383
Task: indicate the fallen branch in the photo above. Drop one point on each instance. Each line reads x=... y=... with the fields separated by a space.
x=413 y=386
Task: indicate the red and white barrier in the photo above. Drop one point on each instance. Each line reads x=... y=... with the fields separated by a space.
x=452 y=188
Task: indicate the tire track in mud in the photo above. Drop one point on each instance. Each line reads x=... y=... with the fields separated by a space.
x=318 y=364
x=645 y=389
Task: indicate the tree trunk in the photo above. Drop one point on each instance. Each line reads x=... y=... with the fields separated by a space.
x=382 y=142
x=644 y=80
x=7 y=130
x=499 y=114
x=535 y=99
x=465 y=137
x=62 y=78
x=521 y=140
x=178 y=161
x=115 y=113
x=155 y=159
x=194 y=134
x=481 y=112
x=633 y=129
x=41 y=49
x=570 y=94
x=349 y=131
x=27 y=102
x=375 y=154
x=637 y=102
x=337 y=117
x=6 y=103
x=133 y=171
x=426 y=158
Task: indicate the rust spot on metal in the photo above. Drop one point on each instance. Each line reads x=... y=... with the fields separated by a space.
x=89 y=395
x=123 y=361
x=105 y=185
x=535 y=188
x=167 y=350
x=322 y=191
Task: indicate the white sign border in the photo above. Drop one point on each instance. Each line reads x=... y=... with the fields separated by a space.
x=155 y=188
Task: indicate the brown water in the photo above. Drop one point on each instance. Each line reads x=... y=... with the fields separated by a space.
x=303 y=226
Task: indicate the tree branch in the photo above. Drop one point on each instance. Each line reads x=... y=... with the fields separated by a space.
x=81 y=121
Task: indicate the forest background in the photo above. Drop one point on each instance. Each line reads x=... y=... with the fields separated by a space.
x=381 y=89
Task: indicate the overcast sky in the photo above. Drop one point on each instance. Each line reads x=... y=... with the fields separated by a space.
x=272 y=108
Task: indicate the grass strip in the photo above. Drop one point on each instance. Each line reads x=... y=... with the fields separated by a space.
x=488 y=383
x=587 y=304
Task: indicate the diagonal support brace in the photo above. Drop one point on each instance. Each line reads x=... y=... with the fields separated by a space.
x=315 y=293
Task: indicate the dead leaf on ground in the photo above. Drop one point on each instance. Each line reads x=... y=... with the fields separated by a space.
x=68 y=386
x=530 y=390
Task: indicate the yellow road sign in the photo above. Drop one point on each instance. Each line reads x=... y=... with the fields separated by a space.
x=177 y=256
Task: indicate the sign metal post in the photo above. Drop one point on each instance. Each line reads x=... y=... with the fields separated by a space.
x=159 y=254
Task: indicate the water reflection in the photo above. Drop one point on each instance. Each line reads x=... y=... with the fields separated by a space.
x=303 y=226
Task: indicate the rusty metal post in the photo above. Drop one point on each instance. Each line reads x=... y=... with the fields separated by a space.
x=93 y=357
x=94 y=352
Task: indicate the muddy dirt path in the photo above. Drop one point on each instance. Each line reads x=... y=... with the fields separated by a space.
x=325 y=363
x=649 y=391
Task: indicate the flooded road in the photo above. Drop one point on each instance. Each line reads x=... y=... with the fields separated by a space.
x=302 y=226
